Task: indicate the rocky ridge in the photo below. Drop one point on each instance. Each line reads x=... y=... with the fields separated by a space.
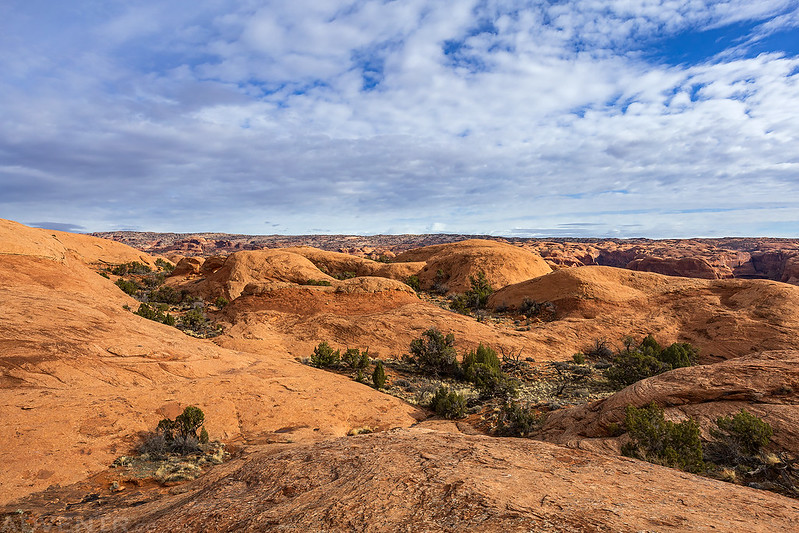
x=760 y=258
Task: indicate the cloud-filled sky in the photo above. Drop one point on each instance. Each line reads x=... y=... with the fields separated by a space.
x=607 y=118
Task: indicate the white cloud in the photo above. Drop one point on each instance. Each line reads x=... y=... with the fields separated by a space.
x=351 y=116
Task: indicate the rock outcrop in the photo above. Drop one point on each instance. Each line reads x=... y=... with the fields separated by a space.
x=424 y=480
x=340 y=264
x=60 y=246
x=724 y=318
x=451 y=265
x=243 y=268
x=188 y=266
x=764 y=383
x=81 y=378
x=686 y=267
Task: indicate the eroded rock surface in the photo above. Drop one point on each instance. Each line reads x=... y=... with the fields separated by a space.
x=764 y=383
x=426 y=480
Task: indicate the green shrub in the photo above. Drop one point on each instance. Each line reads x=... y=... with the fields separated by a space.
x=164 y=265
x=743 y=432
x=133 y=267
x=660 y=441
x=632 y=366
x=221 y=302
x=128 y=287
x=650 y=346
x=475 y=298
x=448 y=404
x=483 y=355
x=479 y=292
x=737 y=453
x=178 y=435
x=190 y=421
x=346 y=275
x=156 y=314
x=167 y=295
x=483 y=368
x=516 y=420
x=414 y=283
x=151 y=281
x=318 y=282
x=434 y=352
x=194 y=319
x=679 y=355
x=324 y=356
x=459 y=303
x=578 y=358
x=647 y=359
x=379 y=376
x=355 y=359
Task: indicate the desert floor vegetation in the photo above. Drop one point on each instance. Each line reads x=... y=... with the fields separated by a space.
x=164 y=303
x=177 y=450
x=737 y=450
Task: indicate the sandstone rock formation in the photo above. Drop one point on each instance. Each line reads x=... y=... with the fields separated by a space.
x=82 y=377
x=337 y=264
x=242 y=268
x=60 y=246
x=765 y=383
x=212 y=264
x=188 y=266
x=503 y=264
x=790 y=270
x=724 y=318
x=687 y=267
x=424 y=480
x=296 y=319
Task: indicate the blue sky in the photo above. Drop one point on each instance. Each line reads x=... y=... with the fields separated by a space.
x=625 y=118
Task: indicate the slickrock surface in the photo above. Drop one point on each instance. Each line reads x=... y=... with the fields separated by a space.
x=766 y=384
x=724 y=318
x=243 y=268
x=60 y=246
x=424 y=480
x=452 y=265
x=336 y=263
x=296 y=319
x=80 y=377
